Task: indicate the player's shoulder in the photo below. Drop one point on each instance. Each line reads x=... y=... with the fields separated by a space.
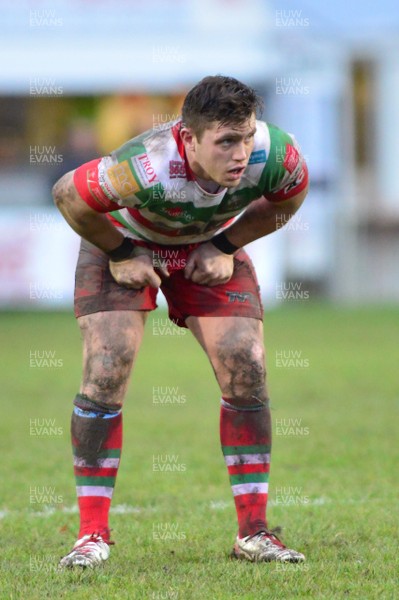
x=278 y=143
x=269 y=141
x=156 y=139
x=270 y=135
x=284 y=172
x=151 y=157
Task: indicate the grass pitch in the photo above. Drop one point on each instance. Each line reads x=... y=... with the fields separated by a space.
x=335 y=399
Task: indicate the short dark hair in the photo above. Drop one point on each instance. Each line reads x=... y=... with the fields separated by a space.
x=219 y=98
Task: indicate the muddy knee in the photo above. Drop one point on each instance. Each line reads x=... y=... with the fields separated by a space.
x=244 y=373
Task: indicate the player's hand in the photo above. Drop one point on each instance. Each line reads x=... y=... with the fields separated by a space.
x=207 y=265
x=138 y=271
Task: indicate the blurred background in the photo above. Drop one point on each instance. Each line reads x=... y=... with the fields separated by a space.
x=78 y=78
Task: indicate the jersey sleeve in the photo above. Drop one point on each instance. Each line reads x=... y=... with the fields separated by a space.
x=286 y=172
x=106 y=185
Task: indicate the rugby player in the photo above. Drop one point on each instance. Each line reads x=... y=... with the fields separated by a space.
x=200 y=189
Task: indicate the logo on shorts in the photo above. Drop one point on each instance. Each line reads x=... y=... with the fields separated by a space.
x=177 y=169
x=238 y=296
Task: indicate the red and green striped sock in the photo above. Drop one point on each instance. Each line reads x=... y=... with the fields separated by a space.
x=97 y=444
x=246 y=442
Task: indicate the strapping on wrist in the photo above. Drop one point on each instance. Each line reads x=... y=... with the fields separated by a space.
x=221 y=242
x=122 y=252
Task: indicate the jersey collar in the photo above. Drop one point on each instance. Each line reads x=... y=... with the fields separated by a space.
x=181 y=150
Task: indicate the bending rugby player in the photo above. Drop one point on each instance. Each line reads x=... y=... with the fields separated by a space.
x=200 y=189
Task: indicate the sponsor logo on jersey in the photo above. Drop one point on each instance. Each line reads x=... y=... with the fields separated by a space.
x=97 y=193
x=259 y=156
x=177 y=212
x=103 y=183
x=107 y=190
x=177 y=169
x=123 y=179
x=291 y=158
x=174 y=212
x=145 y=171
x=297 y=181
x=95 y=188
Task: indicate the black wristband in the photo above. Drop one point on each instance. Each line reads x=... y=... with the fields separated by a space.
x=222 y=243
x=122 y=252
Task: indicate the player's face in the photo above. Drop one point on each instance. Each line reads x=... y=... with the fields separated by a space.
x=223 y=152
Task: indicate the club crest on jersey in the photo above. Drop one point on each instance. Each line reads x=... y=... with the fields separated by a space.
x=145 y=171
x=177 y=169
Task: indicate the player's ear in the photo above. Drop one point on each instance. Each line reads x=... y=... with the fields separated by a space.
x=188 y=137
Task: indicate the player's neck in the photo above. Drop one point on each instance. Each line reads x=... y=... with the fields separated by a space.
x=208 y=185
x=200 y=176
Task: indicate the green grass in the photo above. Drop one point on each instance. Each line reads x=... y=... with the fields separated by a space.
x=333 y=487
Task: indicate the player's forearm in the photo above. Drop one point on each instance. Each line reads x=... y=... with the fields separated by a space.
x=89 y=224
x=96 y=228
x=262 y=218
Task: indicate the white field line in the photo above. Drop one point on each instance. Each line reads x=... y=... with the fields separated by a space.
x=49 y=511
x=127 y=509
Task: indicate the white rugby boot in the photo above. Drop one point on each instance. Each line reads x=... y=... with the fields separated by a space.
x=264 y=546
x=89 y=551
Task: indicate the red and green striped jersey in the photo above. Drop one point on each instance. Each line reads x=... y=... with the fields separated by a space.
x=148 y=188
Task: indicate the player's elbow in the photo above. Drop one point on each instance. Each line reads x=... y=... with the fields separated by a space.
x=56 y=193
x=61 y=190
x=296 y=201
x=301 y=196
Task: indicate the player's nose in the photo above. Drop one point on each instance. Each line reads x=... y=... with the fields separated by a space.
x=240 y=152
